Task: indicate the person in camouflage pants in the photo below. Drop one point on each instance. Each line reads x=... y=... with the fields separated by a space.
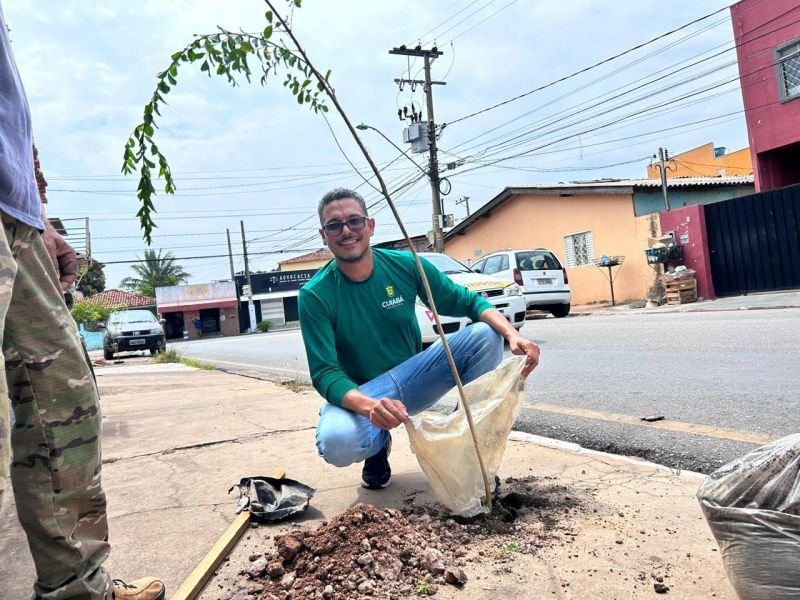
x=55 y=462
x=52 y=453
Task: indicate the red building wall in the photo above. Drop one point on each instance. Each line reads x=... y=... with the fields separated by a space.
x=689 y=225
x=773 y=126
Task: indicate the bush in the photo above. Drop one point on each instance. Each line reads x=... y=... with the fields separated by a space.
x=264 y=325
x=89 y=314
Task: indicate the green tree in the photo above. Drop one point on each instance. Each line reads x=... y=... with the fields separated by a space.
x=155 y=271
x=92 y=279
x=89 y=314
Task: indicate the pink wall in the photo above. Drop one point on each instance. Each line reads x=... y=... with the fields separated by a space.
x=689 y=225
x=759 y=27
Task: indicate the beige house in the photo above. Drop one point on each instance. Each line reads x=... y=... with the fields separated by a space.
x=579 y=222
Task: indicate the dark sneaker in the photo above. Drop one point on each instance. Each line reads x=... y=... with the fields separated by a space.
x=147 y=588
x=377 y=473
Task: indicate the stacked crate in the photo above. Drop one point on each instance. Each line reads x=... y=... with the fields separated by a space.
x=681 y=291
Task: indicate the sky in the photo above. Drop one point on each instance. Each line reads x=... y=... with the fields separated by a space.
x=251 y=154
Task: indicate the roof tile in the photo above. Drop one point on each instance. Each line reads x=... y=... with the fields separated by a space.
x=115 y=298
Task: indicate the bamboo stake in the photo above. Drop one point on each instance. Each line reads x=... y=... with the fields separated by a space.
x=385 y=191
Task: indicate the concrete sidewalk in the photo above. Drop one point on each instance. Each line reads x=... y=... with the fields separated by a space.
x=758 y=301
x=175 y=441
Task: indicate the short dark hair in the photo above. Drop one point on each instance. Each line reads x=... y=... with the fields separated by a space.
x=341 y=194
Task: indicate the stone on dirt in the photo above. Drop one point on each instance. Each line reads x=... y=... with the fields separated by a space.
x=432 y=561
x=257 y=567
x=275 y=570
x=289 y=546
x=455 y=576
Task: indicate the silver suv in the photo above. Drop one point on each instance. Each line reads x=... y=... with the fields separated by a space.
x=538 y=272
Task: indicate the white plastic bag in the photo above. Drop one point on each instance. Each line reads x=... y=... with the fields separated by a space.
x=444 y=446
x=752 y=506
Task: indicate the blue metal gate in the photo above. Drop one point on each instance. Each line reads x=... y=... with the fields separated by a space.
x=754 y=242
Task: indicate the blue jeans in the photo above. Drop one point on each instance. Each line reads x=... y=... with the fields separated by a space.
x=344 y=437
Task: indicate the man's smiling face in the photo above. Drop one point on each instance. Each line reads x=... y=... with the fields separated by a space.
x=348 y=245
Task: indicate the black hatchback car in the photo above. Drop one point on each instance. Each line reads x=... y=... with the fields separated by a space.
x=131 y=330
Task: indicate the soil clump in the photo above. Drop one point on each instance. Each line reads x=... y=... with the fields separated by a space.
x=369 y=552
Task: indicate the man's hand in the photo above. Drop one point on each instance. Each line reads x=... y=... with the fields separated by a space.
x=522 y=346
x=383 y=412
x=387 y=413
x=62 y=254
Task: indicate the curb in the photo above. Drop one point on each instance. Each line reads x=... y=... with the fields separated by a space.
x=572 y=448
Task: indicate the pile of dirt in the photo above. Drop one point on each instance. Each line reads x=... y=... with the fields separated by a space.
x=389 y=553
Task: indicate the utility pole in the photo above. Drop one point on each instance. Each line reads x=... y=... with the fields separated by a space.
x=663 y=157
x=230 y=254
x=251 y=309
x=433 y=161
x=464 y=200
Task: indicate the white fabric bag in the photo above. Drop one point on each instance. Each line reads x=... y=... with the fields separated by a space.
x=443 y=444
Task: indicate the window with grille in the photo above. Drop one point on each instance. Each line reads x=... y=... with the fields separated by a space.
x=579 y=249
x=787 y=60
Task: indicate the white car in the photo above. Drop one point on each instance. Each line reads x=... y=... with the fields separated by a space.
x=538 y=272
x=505 y=296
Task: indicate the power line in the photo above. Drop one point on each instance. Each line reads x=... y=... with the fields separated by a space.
x=499 y=10
x=184 y=258
x=589 y=68
x=160 y=235
x=451 y=17
x=424 y=40
x=475 y=12
x=670 y=106
x=656 y=77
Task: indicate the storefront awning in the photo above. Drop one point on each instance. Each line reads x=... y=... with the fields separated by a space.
x=199 y=305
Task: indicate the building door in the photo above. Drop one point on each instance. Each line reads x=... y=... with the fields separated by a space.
x=209 y=320
x=174 y=326
x=754 y=242
x=290 y=311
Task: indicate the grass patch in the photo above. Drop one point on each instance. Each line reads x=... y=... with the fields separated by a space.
x=197 y=364
x=293 y=385
x=509 y=548
x=423 y=587
x=173 y=356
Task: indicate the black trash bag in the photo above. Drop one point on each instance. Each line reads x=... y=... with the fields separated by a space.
x=274 y=499
x=752 y=506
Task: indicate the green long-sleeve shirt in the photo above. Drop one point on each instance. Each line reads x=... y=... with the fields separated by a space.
x=355 y=331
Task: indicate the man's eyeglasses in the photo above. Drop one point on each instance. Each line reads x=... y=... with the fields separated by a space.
x=353 y=224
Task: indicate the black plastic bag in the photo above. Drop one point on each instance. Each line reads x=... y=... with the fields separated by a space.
x=270 y=499
x=752 y=506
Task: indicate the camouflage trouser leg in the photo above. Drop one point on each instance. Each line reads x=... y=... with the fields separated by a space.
x=55 y=440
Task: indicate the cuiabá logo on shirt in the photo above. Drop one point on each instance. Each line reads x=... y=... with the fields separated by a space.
x=393 y=299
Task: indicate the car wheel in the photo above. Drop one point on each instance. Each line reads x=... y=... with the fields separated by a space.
x=560 y=310
x=108 y=354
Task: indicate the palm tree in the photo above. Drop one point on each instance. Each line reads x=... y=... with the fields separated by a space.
x=155 y=271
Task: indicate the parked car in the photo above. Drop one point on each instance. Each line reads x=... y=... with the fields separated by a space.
x=538 y=272
x=130 y=330
x=505 y=296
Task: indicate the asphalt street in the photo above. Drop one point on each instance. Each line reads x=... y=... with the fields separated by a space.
x=725 y=382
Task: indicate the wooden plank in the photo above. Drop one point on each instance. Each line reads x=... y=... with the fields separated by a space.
x=197 y=579
x=680 y=284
